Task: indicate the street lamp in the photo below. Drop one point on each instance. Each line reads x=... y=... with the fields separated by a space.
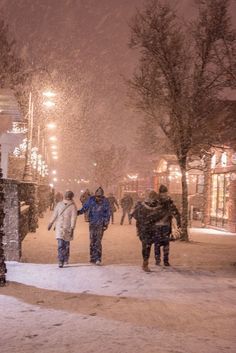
x=27 y=176
x=51 y=126
x=49 y=104
x=49 y=94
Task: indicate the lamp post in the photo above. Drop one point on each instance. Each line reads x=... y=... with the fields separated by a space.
x=27 y=176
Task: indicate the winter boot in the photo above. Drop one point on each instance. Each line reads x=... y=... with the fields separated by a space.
x=145 y=266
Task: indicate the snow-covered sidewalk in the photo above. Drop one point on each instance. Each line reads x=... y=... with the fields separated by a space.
x=117 y=308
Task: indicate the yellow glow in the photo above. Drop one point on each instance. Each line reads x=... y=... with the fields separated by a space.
x=49 y=104
x=53 y=138
x=49 y=94
x=54 y=147
x=51 y=126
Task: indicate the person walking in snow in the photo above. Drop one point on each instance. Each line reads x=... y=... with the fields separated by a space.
x=126 y=204
x=146 y=214
x=64 y=217
x=113 y=205
x=98 y=209
x=163 y=225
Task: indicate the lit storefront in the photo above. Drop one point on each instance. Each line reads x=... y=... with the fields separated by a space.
x=168 y=172
x=223 y=190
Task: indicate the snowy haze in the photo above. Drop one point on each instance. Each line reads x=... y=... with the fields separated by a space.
x=84 y=43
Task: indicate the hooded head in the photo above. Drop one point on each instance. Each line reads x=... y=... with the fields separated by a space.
x=163 y=192
x=152 y=196
x=163 y=189
x=69 y=195
x=99 y=192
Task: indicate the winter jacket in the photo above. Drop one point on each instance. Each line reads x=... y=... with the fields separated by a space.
x=98 y=212
x=113 y=203
x=127 y=203
x=146 y=214
x=169 y=210
x=65 y=220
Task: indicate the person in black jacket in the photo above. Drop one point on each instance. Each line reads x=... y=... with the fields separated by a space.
x=113 y=206
x=126 y=204
x=163 y=225
x=147 y=213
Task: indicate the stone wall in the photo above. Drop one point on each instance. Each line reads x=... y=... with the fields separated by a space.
x=21 y=216
x=12 y=244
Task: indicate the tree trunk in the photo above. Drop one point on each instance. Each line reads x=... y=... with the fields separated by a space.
x=184 y=222
x=206 y=193
x=2 y=258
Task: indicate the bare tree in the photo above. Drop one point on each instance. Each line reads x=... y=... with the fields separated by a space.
x=12 y=71
x=109 y=165
x=179 y=76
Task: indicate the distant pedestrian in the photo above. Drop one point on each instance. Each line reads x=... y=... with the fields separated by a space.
x=147 y=213
x=64 y=217
x=98 y=209
x=52 y=199
x=163 y=225
x=113 y=206
x=83 y=198
x=126 y=204
x=58 y=197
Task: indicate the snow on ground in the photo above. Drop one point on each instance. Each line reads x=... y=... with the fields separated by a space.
x=187 y=308
x=174 y=283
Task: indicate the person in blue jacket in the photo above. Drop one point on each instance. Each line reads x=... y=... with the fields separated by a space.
x=98 y=209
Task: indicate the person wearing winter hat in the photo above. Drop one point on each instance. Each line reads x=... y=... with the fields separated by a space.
x=98 y=209
x=147 y=213
x=163 y=225
x=64 y=217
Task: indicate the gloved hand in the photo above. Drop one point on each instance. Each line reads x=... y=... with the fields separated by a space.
x=105 y=226
x=72 y=233
x=50 y=226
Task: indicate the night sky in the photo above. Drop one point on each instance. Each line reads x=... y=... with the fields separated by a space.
x=85 y=44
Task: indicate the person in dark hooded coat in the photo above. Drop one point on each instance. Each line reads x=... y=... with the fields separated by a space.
x=146 y=214
x=163 y=225
x=98 y=209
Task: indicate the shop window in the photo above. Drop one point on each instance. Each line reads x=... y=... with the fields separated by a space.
x=220 y=199
x=213 y=161
x=200 y=184
x=224 y=159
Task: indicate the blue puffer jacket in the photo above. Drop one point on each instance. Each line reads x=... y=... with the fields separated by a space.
x=98 y=212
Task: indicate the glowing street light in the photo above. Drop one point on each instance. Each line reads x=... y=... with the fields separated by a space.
x=54 y=157
x=54 y=153
x=54 y=172
x=54 y=147
x=51 y=126
x=52 y=138
x=49 y=104
x=49 y=94
x=55 y=180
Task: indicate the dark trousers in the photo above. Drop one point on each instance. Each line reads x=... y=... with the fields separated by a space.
x=125 y=212
x=146 y=249
x=112 y=217
x=96 y=234
x=162 y=239
x=63 y=250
